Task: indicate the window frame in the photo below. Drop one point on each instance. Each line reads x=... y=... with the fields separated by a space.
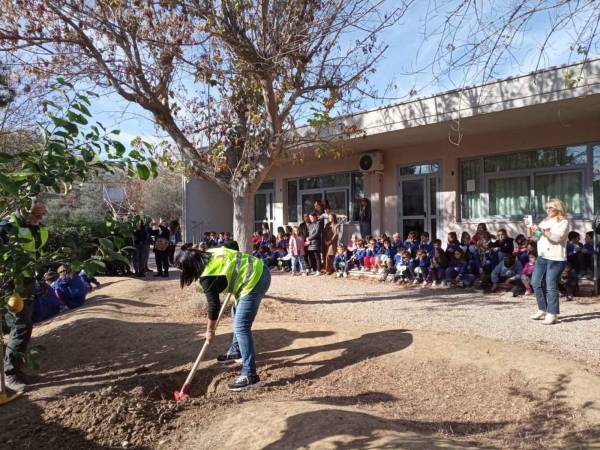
x=586 y=171
x=299 y=192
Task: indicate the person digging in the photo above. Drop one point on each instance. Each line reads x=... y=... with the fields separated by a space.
x=241 y=276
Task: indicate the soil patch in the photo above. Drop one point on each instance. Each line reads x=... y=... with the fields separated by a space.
x=330 y=382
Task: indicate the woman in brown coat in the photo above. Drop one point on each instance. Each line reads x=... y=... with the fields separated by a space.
x=331 y=239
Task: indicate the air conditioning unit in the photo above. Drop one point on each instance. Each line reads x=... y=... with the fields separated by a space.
x=371 y=162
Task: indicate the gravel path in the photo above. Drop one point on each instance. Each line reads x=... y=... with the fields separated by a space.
x=363 y=302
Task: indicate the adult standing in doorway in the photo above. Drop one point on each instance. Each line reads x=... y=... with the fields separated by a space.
x=364 y=217
x=551 y=234
x=314 y=239
x=331 y=239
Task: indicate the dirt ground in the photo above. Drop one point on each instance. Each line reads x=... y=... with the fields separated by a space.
x=110 y=368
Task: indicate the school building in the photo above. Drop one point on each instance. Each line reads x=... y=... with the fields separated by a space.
x=492 y=153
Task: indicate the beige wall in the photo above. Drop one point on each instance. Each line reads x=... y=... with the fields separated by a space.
x=382 y=189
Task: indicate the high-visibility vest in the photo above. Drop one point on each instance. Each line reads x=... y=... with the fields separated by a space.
x=241 y=270
x=24 y=233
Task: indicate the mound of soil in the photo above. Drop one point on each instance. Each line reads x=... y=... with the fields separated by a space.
x=115 y=417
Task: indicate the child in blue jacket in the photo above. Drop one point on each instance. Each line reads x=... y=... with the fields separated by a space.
x=458 y=270
x=340 y=261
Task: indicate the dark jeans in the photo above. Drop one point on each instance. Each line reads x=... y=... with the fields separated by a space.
x=244 y=313
x=171 y=251
x=139 y=266
x=365 y=229
x=20 y=326
x=162 y=261
x=314 y=260
x=547 y=271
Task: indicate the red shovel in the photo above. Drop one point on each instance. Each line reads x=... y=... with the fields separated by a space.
x=185 y=389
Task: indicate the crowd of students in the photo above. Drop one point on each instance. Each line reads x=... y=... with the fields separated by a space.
x=483 y=260
x=60 y=291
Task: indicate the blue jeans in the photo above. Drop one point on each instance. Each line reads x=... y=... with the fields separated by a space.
x=243 y=314
x=547 y=296
x=298 y=261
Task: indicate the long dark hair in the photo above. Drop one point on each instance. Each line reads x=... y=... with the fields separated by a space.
x=191 y=262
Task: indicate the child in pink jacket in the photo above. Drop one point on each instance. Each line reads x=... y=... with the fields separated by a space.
x=296 y=251
x=527 y=272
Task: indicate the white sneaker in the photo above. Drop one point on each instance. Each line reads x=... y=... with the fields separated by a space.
x=539 y=315
x=345 y=275
x=305 y=274
x=415 y=281
x=550 y=319
x=339 y=275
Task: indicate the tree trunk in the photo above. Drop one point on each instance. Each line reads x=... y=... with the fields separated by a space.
x=243 y=219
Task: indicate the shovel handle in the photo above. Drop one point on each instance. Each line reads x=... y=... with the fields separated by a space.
x=205 y=346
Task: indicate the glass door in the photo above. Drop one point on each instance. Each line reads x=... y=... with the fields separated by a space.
x=418 y=204
x=413 y=208
x=308 y=199
x=338 y=202
x=263 y=209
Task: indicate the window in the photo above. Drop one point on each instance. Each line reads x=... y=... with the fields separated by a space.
x=509 y=196
x=566 y=186
x=292 y=200
x=596 y=177
x=470 y=188
x=517 y=184
x=419 y=169
x=342 y=190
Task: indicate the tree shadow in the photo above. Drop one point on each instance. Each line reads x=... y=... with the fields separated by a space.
x=84 y=356
x=583 y=316
x=448 y=297
x=370 y=345
x=23 y=427
x=553 y=420
x=363 y=430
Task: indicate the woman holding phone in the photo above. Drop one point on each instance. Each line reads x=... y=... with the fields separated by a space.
x=551 y=234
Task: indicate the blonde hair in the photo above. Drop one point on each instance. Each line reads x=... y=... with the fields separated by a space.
x=559 y=206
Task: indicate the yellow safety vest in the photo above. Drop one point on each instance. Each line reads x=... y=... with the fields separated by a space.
x=241 y=270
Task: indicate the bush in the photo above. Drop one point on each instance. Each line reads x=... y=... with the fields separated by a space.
x=105 y=246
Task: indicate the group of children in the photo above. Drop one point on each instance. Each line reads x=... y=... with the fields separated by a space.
x=61 y=290
x=491 y=262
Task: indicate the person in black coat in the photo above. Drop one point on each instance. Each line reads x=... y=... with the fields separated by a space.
x=363 y=216
x=314 y=239
x=161 y=249
x=140 y=236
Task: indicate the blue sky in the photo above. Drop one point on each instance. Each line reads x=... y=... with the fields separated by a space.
x=405 y=54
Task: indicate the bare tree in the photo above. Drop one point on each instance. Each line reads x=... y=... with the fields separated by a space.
x=477 y=40
x=227 y=80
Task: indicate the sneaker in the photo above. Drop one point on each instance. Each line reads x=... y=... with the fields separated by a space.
x=550 y=319
x=539 y=315
x=317 y=274
x=345 y=275
x=245 y=382
x=569 y=298
x=528 y=292
x=339 y=274
x=15 y=383
x=415 y=281
x=227 y=358
x=305 y=274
